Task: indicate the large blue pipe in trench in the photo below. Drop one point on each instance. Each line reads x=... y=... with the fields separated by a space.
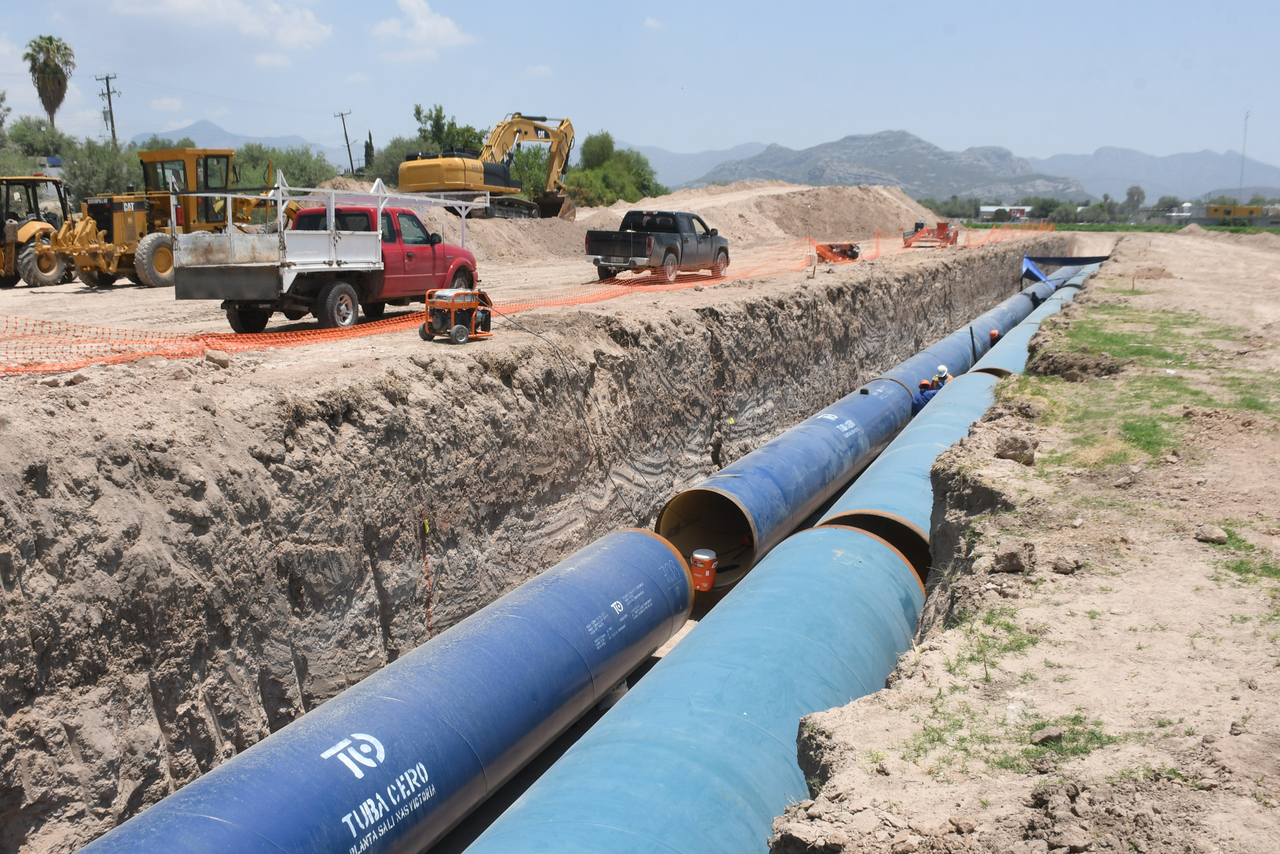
x=893 y=497
x=393 y=763
x=701 y=755
x=748 y=507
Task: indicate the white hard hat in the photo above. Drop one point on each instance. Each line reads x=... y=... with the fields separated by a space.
x=942 y=370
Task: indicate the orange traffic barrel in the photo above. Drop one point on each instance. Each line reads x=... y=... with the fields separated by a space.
x=704 y=569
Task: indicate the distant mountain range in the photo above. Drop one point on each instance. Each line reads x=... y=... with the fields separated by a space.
x=898 y=158
x=901 y=159
x=205 y=134
x=674 y=169
x=1188 y=176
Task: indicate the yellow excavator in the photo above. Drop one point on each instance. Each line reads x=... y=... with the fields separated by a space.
x=459 y=171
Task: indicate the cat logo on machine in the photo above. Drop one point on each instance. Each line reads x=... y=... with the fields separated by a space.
x=350 y=754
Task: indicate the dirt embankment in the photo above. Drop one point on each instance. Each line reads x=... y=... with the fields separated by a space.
x=1096 y=665
x=750 y=215
x=193 y=556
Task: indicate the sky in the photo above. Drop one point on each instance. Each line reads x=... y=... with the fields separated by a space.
x=1037 y=78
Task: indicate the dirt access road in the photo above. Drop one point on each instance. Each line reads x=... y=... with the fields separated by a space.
x=1097 y=665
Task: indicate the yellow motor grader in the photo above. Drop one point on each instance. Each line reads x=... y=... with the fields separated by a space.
x=131 y=234
x=33 y=208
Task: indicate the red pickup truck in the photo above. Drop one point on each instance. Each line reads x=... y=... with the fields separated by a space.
x=329 y=270
x=414 y=261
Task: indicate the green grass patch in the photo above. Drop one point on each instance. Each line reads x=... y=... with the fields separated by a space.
x=1081 y=737
x=990 y=638
x=1252 y=567
x=1147 y=433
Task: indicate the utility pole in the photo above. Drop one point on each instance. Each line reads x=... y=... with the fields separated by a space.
x=111 y=113
x=350 y=160
x=1242 y=147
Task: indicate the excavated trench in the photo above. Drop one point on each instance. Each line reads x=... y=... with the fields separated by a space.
x=193 y=557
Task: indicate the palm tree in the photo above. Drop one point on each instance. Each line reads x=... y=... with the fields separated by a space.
x=51 y=61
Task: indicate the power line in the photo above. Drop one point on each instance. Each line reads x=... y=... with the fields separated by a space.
x=110 y=111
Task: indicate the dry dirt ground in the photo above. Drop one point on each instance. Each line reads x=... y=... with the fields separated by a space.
x=1090 y=673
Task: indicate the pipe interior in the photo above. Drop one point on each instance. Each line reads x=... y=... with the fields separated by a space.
x=703 y=519
x=903 y=537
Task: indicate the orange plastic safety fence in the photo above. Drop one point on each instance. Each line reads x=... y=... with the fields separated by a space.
x=29 y=346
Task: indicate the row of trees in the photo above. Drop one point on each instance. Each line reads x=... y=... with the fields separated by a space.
x=1056 y=210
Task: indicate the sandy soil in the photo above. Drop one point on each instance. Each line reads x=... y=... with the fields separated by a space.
x=1119 y=693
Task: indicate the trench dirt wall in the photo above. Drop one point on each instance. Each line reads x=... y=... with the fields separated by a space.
x=191 y=557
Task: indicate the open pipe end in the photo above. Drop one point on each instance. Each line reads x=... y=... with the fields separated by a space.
x=701 y=518
x=909 y=540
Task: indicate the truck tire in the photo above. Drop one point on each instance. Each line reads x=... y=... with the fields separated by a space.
x=605 y=273
x=337 y=306
x=39 y=270
x=246 y=320
x=461 y=281
x=9 y=281
x=459 y=334
x=374 y=310
x=153 y=260
x=670 y=268
x=721 y=264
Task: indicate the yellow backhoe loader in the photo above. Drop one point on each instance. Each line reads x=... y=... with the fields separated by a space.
x=131 y=234
x=33 y=207
x=457 y=171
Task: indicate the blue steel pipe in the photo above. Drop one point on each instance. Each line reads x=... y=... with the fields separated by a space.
x=747 y=508
x=701 y=755
x=393 y=763
x=893 y=498
x=1010 y=355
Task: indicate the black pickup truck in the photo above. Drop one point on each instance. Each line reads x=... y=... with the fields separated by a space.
x=666 y=241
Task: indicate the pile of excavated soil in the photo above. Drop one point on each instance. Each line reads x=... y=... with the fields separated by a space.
x=346 y=185
x=772 y=212
x=749 y=214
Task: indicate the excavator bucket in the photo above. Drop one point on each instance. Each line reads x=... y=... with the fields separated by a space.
x=557 y=204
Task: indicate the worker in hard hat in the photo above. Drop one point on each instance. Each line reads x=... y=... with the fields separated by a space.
x=941 y=378
x=995 y=337
x=925 y=394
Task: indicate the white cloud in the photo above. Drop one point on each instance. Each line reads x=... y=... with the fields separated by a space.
x=357 y=77
x=539 y=71
x=422 y=32
x=166 y=105
x=271 y=60
x=286 y=22
x=654 y=24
